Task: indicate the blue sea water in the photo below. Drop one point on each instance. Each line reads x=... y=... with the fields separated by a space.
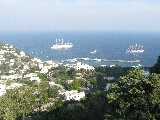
x=109 y=45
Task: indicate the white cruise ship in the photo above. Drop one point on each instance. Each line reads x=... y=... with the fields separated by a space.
x=61 y=45
x=135 y=49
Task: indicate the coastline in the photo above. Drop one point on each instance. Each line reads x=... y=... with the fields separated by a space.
x=109 y=45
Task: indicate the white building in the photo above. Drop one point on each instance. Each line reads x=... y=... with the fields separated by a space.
x=69 y=81
x=79 y=66
x=9 y=77
x=58 y=85
x=73 y=95
x=83 y=66
x=40 y=65
x=12 y=71
x=36 y=60
x=103 y=65
x=30 y=75
x=14 y=85
x=18 y=75
x=12 y=60
x=45 y=69
x=22 y=54
x=15 y=54
x=11 y=46
x=36 y=79
x=1 y=52
x=25 y=67
x=70 y=65
x=49 y=62
x=2 y=59
x=5 y=46
x=2 y=89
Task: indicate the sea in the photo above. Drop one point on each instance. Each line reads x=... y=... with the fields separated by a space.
x=110 y=45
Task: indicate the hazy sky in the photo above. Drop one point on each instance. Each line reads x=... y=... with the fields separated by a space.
x=130 y=15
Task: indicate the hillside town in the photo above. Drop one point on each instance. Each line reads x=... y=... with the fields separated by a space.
x=17 y=65
x=35 y=89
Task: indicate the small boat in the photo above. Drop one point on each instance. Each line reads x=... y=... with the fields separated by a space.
x=93 y=52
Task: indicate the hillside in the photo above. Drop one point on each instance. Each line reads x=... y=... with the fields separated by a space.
x=31 y=88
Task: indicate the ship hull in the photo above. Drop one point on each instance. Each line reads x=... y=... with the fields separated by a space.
x=61 y=46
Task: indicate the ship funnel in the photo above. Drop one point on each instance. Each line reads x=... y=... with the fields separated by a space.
x=56 y=41
x=62 y=41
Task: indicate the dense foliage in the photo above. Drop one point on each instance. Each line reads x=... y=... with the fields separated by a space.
x=20 y=102
x=134 y=96
x=156 y=67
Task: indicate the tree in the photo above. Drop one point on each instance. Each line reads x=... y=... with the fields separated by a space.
x=14 y=66
x=134 y=96
x=74 y=85
x=156 y=67
x=43 y=95
x=93 y=81
x=52 y=91
x=115 y=71
x=25 y=59
x=71 y=73
x=16 y=103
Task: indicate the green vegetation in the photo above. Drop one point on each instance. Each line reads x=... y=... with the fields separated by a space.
x=1 y=44
x=20 y=102
x=16 y=103
x=25 y=59
x=9 y=56
x=75 y=85
x=134 y=96
x=156 y=67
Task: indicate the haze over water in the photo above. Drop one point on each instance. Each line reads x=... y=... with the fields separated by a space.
x=109 y=45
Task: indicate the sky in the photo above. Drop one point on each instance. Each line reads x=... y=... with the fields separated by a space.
x=109 y=15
